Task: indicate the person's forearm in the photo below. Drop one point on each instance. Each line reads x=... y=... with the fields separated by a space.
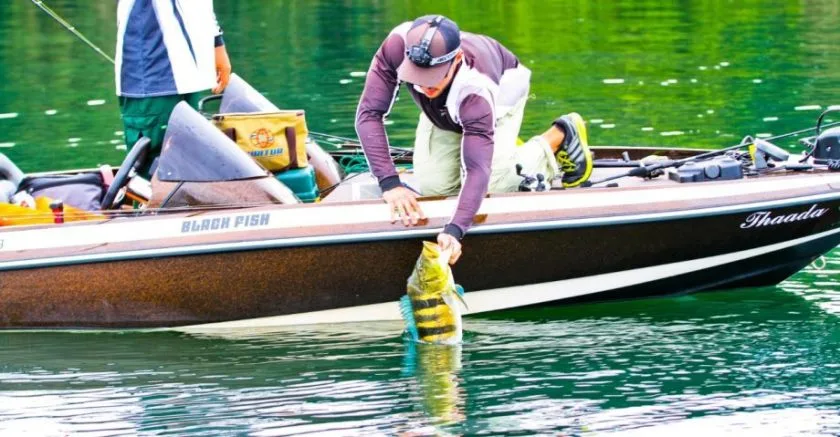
x=475 y=186
x=381 y=87
x=371 y=131
x=477 y=155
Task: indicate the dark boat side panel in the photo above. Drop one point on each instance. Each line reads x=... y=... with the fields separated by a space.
x=545 y=256
x=205 y=288
x=761 y=271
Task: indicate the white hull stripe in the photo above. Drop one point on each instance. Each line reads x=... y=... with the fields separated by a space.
x=512 y=297
x=112 y=235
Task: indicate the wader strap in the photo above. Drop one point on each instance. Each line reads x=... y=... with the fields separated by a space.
x=291 y=140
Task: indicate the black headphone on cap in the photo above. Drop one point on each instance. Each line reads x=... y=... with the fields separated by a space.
x=419 y=53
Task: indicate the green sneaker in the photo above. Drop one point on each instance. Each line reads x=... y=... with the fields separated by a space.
x=574 y=156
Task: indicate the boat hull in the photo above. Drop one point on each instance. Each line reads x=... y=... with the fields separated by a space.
x=649 y=251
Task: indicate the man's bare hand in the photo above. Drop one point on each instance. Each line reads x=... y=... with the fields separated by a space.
x=223 y=70
x=450 y=244
x=404 y=206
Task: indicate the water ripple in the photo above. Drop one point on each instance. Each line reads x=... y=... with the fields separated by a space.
x=636 y=367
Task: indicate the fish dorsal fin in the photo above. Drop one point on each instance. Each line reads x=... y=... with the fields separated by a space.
x=430 y=250
x=407 y=313
x=434 y=252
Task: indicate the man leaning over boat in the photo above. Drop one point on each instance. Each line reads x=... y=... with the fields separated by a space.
x=472 y=93
x=167 y=52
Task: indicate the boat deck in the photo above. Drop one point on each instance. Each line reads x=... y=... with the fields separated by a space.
x=363 y=186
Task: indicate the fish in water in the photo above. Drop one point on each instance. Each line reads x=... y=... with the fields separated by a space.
x=431 y=307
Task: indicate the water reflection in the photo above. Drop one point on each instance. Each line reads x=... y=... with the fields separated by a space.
x=436 y=369
x=751 y=358
x=819 y=283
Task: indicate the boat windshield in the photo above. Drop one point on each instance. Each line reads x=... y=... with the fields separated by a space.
x=201 y=166
x=239 y=96
x=196 y=151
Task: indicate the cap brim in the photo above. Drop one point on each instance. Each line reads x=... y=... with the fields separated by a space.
x=420 y=76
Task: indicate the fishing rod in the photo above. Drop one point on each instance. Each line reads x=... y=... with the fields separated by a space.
x=356 y=144
x=649 y=169
x=71 y=28
x=335 y=138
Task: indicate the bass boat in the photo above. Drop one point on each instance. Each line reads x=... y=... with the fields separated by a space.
x=219 y=242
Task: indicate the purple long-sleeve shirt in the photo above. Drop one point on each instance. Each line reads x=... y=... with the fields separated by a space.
x=470 y=106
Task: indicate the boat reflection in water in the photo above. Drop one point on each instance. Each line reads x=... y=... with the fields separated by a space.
x=700 y=361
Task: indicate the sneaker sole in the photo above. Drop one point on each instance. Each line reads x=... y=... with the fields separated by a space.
x=584 y=144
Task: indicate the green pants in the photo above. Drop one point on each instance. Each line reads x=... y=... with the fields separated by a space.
x=147 y=117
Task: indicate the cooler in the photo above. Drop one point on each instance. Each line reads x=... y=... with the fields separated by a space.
x=302 y=182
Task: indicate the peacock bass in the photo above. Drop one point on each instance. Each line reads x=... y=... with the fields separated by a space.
x=431 y=307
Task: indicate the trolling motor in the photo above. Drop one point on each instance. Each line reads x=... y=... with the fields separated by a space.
x=824 y=145
x=824 y=148
x=828 y=145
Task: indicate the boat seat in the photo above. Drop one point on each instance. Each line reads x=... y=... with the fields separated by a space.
x=10 y=177
x=363 y=186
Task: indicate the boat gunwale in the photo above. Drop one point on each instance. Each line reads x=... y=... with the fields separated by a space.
x=152 y=214
x=117 y=254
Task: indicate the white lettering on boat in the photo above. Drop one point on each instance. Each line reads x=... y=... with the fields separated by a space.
x=229 y=222
x=766 y=218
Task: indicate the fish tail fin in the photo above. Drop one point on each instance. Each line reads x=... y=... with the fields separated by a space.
x=407 y=313
x=409 y=364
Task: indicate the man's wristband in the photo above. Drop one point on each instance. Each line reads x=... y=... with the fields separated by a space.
x=454 y=230
x=389 y=183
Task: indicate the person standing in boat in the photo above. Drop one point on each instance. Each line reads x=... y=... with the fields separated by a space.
x=472 y=93
x=168 y=51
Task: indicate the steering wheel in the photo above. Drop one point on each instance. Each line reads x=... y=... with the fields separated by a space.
x=138 y=151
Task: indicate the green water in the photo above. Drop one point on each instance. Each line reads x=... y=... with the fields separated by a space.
x=686 y=73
